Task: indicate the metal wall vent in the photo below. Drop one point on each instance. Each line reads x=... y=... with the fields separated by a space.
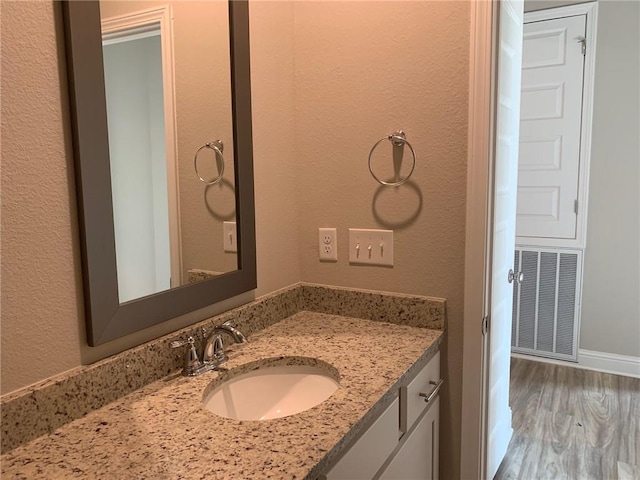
x=546 y=305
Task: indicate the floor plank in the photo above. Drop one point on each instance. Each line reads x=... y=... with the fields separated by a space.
x=572 y=424
x=628 y=472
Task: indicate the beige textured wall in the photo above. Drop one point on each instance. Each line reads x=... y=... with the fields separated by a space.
x=203 y=97
x=41 y=284
x=364 y=69
x=203 y=114
x=611 y=295
x=42 y=307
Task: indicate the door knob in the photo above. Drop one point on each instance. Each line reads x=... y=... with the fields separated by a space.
x=518 y=277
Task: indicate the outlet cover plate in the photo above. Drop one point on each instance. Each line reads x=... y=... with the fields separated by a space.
x=328 y=244
x=371 y=247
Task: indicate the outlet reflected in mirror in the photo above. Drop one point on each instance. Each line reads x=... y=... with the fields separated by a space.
x=168 y=92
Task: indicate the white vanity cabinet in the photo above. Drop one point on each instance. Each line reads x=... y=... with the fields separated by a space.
x=402 y=443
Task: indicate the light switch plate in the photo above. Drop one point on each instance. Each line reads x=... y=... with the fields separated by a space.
x=371 y=247
x=229 y=237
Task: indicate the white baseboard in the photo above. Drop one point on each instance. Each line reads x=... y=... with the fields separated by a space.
x=625 y=365
x=609 y=363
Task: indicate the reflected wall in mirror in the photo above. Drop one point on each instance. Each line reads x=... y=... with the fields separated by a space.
x=151 y=84
x=168 y=91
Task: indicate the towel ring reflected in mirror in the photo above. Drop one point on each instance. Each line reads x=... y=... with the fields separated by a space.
x=218 y=147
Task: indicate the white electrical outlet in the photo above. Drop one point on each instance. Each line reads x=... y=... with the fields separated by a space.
x=229 y=239
x=328 y=244
x=371 y=247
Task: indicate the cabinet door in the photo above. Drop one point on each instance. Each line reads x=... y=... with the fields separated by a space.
x=370 y=451
x=417 y=459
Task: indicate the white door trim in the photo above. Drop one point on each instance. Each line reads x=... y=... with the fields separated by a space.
x=139 y=20
x=591 y=11
x=477 y=266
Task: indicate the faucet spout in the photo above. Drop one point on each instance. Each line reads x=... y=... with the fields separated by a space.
x=236 y=334
x=213 y=353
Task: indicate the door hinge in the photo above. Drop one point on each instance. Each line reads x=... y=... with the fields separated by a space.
x=485 y=325
x=575 y=206
x=583 y=41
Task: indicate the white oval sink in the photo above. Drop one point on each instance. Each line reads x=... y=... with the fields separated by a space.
x=271 y=392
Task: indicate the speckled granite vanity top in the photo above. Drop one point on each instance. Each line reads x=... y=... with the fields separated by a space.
x=162 y=430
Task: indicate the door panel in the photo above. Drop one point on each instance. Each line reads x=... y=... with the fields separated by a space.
x=498 y=426
x=551 y=112
x=549 y=49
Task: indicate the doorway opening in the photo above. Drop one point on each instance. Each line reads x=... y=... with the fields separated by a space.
x=612 y=152
x=553 y=179
x=138 y=66
x=568 y=421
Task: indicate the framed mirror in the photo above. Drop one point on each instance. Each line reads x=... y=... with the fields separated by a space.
x=163 y=159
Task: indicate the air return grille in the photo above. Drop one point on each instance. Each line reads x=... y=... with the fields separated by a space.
x=546 y=303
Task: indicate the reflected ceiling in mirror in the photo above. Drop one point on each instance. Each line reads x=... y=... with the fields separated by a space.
x=167 y=74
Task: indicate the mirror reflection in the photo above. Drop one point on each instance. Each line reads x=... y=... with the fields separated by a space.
x=168 y=89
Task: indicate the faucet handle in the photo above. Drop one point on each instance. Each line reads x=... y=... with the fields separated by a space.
x=192 y=364
x=181 y=342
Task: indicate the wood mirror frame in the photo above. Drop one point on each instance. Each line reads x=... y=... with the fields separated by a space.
x=107 y=318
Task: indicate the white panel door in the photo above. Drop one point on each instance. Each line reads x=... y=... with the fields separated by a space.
x=498 y=427
x=550 y=125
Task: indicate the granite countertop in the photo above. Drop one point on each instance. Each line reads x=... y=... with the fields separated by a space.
x=162 y=431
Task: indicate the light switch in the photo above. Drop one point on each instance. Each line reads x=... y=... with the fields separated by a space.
x=371 y=247
x=229 y=237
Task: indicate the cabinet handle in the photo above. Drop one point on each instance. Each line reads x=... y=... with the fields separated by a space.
x=434 y=391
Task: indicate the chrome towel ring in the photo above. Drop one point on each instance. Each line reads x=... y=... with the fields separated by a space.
x=218 y=147
x=398 y=138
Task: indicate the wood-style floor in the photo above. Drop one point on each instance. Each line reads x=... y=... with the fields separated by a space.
x=570 y=423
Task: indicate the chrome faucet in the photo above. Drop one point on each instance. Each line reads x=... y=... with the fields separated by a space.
x=213 y=354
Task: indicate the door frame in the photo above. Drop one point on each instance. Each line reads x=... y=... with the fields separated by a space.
x=482 y=63
x=162 y=16
x=482 y=55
